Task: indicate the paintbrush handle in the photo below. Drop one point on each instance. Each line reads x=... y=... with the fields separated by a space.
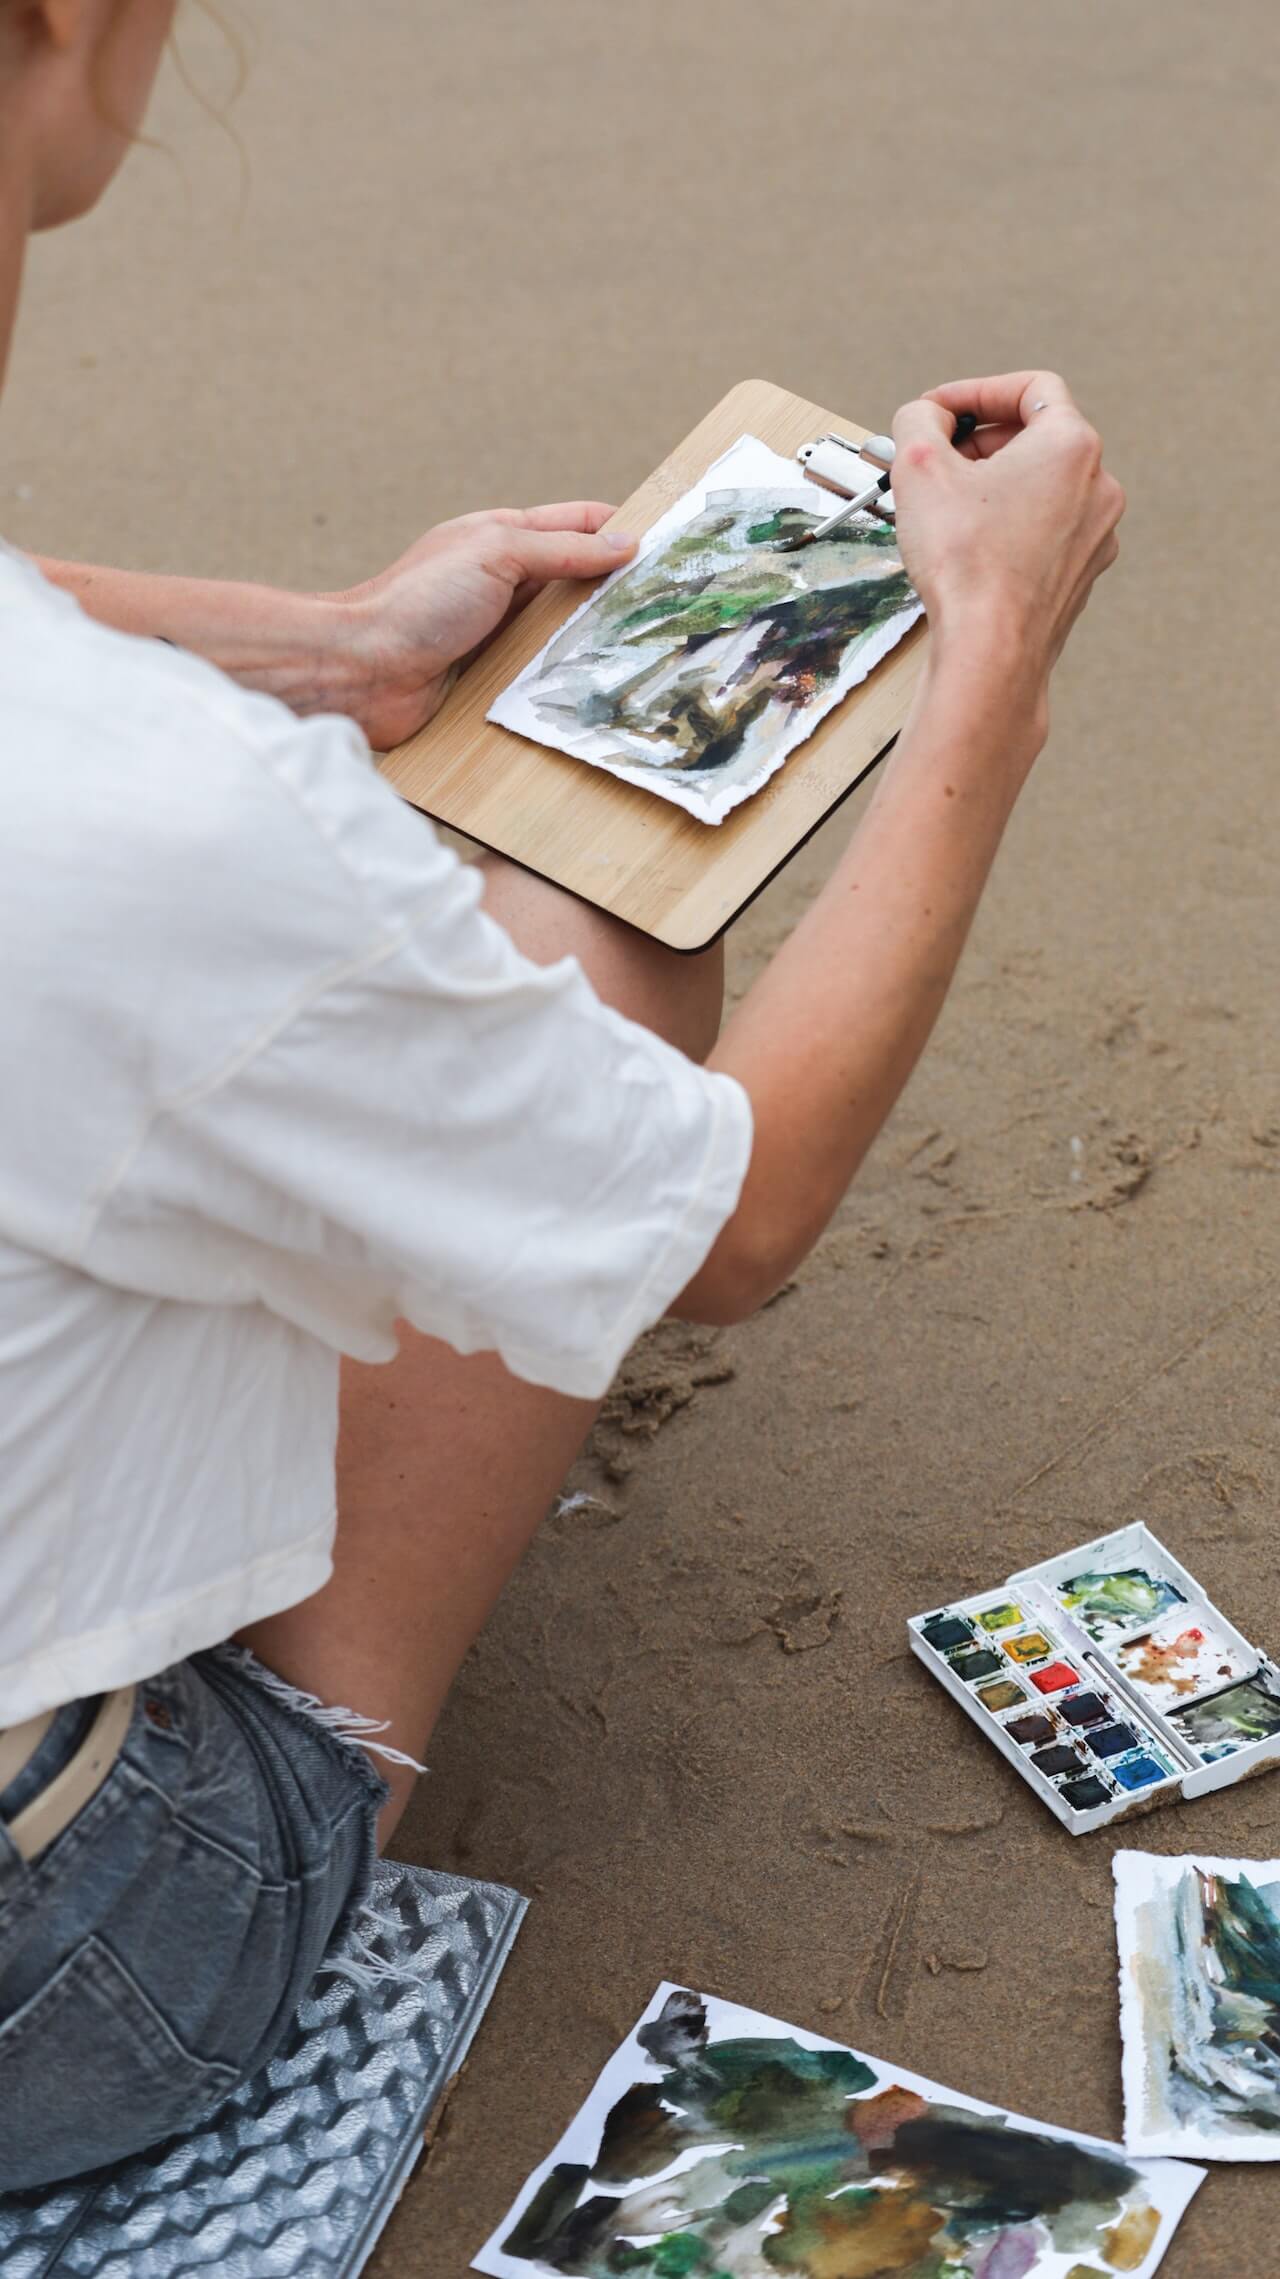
x=855 y=505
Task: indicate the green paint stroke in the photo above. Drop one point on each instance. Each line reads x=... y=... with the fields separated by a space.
x=1127 y=1599
x=813 y=2168
x=1232 y=1720
x=715 y=635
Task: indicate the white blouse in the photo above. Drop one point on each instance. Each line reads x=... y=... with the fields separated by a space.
x=271 y=1079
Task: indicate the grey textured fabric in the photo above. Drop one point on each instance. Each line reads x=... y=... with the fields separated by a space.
x=299 y=2170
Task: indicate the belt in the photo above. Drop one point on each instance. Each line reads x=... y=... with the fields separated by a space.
x=34 y=1828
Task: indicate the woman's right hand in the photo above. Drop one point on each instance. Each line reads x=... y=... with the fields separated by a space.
x=1005 y=536
x=1003 y=544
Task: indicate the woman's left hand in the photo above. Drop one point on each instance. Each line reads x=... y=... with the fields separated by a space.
x=404 y=632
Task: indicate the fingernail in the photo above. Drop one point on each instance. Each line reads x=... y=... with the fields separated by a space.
x=620 y=540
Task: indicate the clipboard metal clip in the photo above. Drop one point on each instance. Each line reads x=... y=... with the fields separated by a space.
x=840 y=465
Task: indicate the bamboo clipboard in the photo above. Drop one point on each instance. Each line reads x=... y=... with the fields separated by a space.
x=643 y=859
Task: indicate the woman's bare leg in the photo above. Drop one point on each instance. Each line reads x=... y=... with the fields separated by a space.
x=445 y=1465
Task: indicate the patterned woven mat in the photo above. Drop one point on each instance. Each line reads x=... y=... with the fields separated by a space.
x=296 y=2174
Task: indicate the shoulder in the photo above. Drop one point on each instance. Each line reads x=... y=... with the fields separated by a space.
x=87 y=705
x=186 y=872
x=127 y=755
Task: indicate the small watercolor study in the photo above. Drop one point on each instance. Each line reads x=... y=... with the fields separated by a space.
x=1180 y=1660
x=1111 y=1603
x=1199 y=1944
x=696 y=670
x=720 y=2144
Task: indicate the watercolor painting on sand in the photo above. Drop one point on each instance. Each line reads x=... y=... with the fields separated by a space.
x=1199 y=1947
x=698 y=668
x=721 y=2144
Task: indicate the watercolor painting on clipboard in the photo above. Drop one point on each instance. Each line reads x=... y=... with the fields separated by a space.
x=719 y=2143
x=696 y=670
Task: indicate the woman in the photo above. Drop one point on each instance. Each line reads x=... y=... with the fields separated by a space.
x=282 y=1074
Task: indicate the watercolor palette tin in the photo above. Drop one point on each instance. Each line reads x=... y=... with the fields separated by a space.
x=1109 y=1679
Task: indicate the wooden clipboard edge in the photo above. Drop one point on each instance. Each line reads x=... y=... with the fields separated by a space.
x=679 y=949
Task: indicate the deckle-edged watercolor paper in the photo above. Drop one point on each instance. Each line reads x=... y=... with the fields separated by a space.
x=720 y=2144
x=696 y=669
x=1199 y=1944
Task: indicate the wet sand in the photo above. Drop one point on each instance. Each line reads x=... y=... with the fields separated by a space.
x=513 y=252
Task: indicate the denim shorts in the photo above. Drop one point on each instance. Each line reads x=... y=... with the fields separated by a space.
x=153 y=1954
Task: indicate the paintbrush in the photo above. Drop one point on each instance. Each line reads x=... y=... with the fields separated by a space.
x=879 y=447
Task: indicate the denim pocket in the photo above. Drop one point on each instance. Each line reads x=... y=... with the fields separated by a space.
x=90 y=2070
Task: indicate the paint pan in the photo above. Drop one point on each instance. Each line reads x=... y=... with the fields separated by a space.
x=1005 y=1693
x=1029 y=1646
x=1125 y=1661
x=1087 y=1793
x=1003 y=1617
x=1113 y=1740
x=1058 y=1758
x=1142 y=1768
x=974 y=1662
x=1055 y=1677
x=946 y=1631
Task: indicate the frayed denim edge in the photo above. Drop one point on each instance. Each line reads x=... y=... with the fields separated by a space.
x=345 y=1724
x=356 y=1957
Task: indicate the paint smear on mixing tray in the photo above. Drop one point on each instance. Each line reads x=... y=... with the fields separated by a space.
x=1232 y=1720
x=1179 y=1661
x=1110 y=1604
x=719 y=2143
x=696 y=670
x=1199 y=1943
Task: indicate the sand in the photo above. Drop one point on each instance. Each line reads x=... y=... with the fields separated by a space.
x=513 y=251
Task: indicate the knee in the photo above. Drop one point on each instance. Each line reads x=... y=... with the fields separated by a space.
x=689 y=1000
x=680 y=998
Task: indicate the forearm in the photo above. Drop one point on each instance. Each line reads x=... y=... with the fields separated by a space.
x=288 y=644
x=828 y=1036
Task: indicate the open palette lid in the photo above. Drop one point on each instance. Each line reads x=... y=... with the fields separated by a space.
x=1109 y=1677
